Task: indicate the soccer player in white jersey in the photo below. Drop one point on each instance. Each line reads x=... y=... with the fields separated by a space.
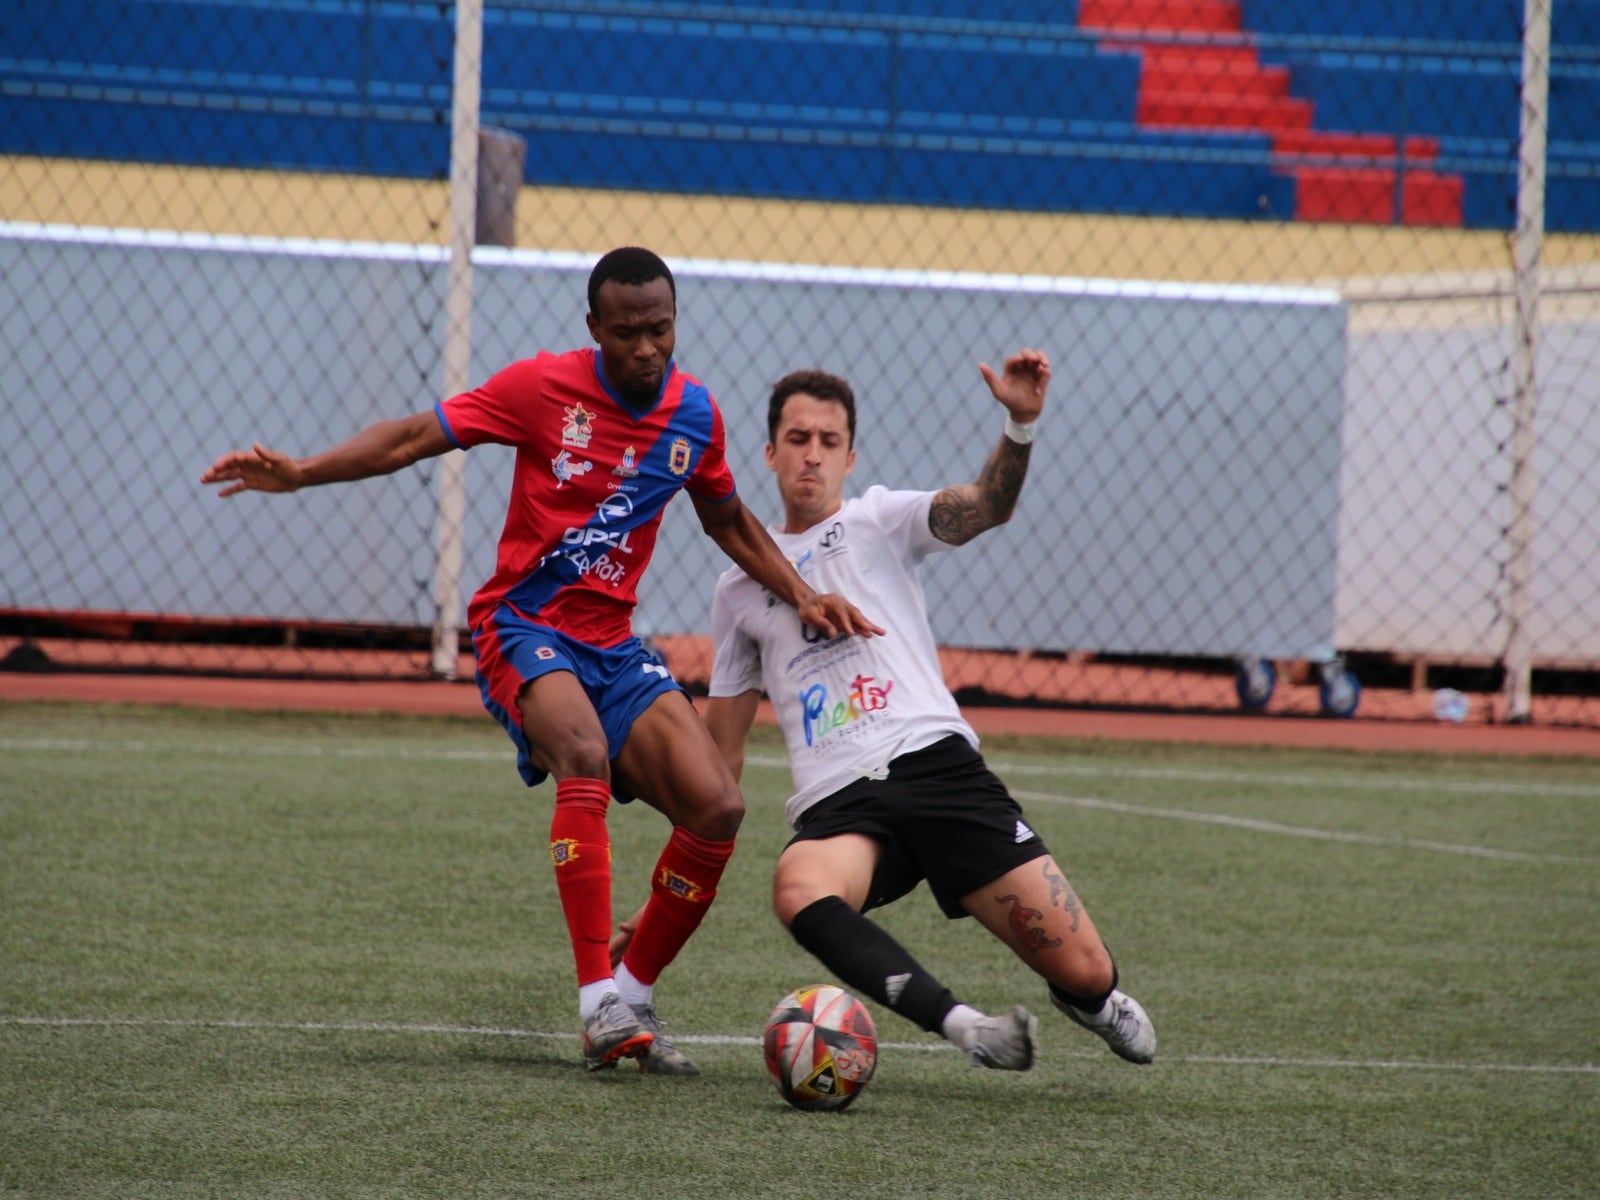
x=889 y=786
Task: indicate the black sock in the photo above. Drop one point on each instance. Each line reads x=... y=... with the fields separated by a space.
x=866 y=959
x=1094 y=1003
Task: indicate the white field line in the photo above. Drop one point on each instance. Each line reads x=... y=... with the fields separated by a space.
x=387 y=753
x=1301 y=831
x=423 y=1029
x=273 y=750
x=1460 y=787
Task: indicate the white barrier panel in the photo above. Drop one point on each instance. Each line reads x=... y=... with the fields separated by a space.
x=1183 y=498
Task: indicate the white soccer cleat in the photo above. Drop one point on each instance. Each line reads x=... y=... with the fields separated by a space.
x=1122 y=1024
x=613 y=1033
x=1004 y=1043
x=662 y=1058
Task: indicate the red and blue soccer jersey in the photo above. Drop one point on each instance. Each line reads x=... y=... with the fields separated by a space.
x=592 y=479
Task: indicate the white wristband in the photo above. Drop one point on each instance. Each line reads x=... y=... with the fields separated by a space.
x=1020 y=432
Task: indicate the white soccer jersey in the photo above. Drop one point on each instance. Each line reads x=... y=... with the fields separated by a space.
x=847 y=705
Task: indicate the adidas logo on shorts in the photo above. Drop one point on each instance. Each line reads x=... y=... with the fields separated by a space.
x=1023 y=833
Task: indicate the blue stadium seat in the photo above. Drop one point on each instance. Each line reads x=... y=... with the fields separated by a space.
x=924 y=101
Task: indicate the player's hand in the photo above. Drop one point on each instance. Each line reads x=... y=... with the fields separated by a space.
x=1021 y=384
x=622 y=937
x=831 y=615
x=255 y=470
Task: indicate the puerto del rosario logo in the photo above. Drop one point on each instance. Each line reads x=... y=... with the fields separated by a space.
x=824 y=716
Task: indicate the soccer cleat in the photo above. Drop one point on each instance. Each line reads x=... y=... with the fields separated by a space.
x=662 y=1058
x=1004 y=1043
x=1127 y=1029
x=613 y=1033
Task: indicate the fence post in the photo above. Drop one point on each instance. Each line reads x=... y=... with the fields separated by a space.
x=1528 y=242
x=501 y=158
x=452 y=503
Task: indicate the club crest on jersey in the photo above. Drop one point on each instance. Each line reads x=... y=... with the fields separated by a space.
x=563 y=851
x=578 y=428
x=625 y=468
x=686 y=889
x=544 y=653
x=567 y=469
x=678 y=457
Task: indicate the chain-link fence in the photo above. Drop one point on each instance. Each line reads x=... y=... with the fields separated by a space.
x=1321 y=283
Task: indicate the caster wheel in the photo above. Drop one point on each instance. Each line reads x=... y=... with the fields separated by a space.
x=1255 y=683
x=1339 y=693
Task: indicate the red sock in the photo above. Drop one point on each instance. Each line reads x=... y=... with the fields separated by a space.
x=580 y=848
x=685 y=882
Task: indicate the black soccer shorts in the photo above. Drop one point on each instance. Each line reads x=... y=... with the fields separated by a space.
x=940 y=815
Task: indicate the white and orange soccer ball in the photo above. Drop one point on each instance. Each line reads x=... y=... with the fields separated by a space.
x=821 y=1047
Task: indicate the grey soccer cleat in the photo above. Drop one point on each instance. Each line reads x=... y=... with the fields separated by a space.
x=662 y=1058
x=613 y=1033
x=1124 y=1026
x=1005 y=1043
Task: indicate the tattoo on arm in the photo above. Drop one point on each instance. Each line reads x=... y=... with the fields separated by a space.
x=960 y=514
x=1030 y=936
x=1062 y=895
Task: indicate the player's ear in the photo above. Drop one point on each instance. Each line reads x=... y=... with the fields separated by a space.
x=772 y=457
x=850 y=461
x=594 y=327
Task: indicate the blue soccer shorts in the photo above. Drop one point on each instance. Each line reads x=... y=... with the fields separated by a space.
x=621 y=682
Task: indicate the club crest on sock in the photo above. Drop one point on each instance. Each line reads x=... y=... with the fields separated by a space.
x=564 y=850
x=680 y=885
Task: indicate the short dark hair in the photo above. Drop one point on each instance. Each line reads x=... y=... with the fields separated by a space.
x=813 y=383
x=630 y=265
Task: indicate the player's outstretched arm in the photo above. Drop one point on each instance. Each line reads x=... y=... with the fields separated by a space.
x=745 y=540
x=379 y=449
x=960 y=513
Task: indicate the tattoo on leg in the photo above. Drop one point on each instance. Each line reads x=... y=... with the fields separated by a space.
x=1031 y=936
x=1061 y=893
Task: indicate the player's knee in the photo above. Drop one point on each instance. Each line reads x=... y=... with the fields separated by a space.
x=579 y=755
x=791 y=895
x=716 y=815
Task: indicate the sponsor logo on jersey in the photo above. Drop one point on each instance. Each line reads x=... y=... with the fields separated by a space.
x=578 y=428
x=678 y=456
x=615 y=507
x=824 y=716
x=578 y=540
x=588 y=535
x=566 y=469
x=833 y=539
x=680 y=886
x=625 y=468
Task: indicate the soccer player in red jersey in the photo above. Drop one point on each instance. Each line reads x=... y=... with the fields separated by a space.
x=604 y=439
